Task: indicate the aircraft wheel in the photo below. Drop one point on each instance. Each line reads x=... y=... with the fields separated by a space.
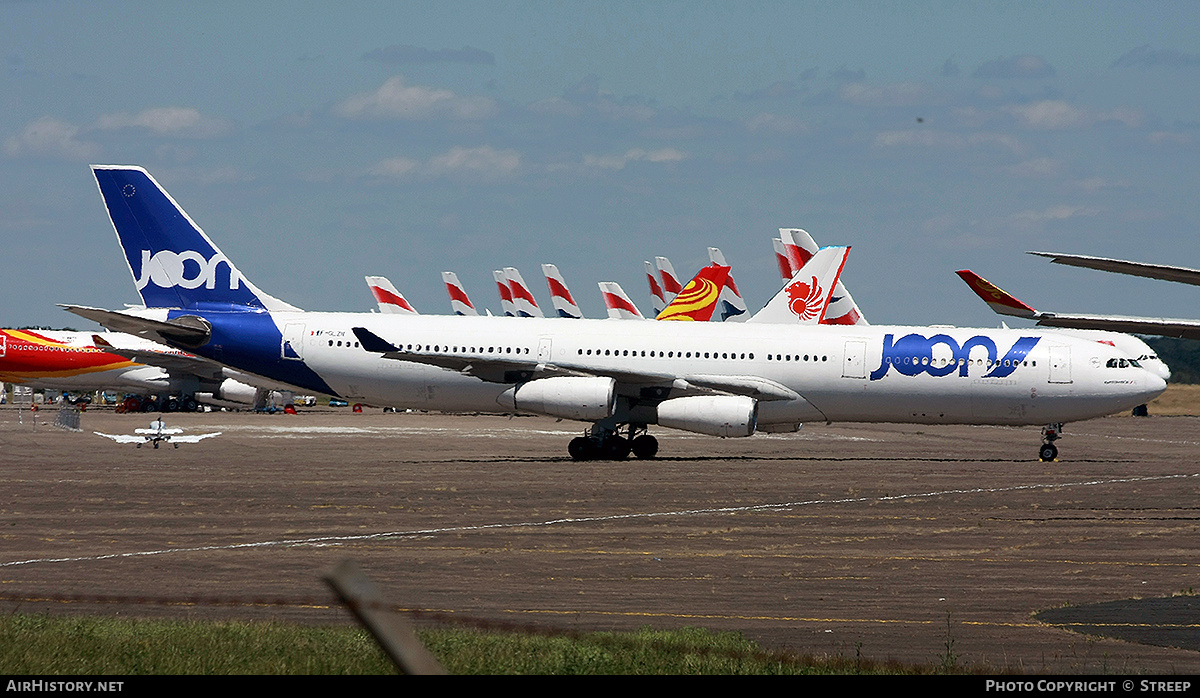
x=190 y=405
x=615 y=447
x=645 y=447
x=156 y=445
x=139 y=445
x=580 y=448
x=1048 y=453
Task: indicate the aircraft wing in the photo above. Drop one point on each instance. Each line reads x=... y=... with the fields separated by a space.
x=509 y=370
x=1007 y=304
x=1164 y=272
x=174 y=361
x=123 y=438
x=1167 y=327
x=193 y=438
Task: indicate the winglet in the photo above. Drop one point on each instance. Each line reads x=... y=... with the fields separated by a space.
x=1000 y=301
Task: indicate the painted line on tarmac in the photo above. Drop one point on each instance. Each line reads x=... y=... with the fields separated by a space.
x=782 y=506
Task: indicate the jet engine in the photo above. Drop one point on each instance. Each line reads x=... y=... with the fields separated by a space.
x=230 y=393
x=570 y=397
x=715 y=415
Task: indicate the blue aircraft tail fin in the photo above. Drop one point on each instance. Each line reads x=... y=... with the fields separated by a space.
x=173 y=263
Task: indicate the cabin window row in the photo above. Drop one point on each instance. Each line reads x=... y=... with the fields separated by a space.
x=665 y=354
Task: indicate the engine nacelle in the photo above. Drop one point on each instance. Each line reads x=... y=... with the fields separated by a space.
x=570 y=397
x=230 y=393
x=715 y=415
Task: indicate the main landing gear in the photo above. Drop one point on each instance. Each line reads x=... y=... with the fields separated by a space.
x=605 y=444
x=1050 y=433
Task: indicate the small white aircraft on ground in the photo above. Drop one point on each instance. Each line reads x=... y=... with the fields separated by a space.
x=156 y=434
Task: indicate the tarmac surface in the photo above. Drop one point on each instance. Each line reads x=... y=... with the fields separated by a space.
x=918 y=544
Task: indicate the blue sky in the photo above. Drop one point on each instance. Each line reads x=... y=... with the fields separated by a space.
x=319 y=145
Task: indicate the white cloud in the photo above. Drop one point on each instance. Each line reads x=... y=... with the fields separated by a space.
x=183 y=122
x=483 y=163
x=617 y=162
x=932 y=138
x=1061 y=212
x=1054 y=114
x=902 y=94
x=52 y=137
x=396 y=100
x=776 y=123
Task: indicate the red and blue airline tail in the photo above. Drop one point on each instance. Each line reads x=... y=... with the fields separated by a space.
x=618 y=303
x=560 y=295
x=670 y=281
x=174 y=264
x=506 y=297
x=460 y=303
x=388 y=298
x=522 y=298
x=698 y=299
x=656 y=292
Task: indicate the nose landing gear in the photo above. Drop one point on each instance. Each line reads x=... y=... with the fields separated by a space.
x=1050 y=433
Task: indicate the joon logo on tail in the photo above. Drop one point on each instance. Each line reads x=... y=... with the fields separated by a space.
x=912 y=355
x=167 y=269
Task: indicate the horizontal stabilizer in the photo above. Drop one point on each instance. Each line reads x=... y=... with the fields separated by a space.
x=188 y=330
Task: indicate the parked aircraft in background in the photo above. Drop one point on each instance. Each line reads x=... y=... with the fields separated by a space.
x=1166 y=327
x=506 y=298
x=388 y=298
x=158 y=433
x=86 y=362
x=523 y=301
x=560 y=295
x=619 y=306
x=460 y=303
x=717 y=379
x=657 y=296
x=798 y=248
x=1005 y=303
x=732 y=307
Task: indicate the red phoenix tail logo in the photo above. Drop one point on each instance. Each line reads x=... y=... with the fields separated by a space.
x=804 y=299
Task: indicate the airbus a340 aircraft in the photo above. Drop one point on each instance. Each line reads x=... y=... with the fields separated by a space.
x=710 y=378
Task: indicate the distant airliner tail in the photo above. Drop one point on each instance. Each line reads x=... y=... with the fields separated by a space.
x=390 y=300
x=698 y=299
x=174 y=264
x=805 y=299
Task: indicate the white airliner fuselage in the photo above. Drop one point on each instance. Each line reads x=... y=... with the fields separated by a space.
x=873 y=373
x=720 y=379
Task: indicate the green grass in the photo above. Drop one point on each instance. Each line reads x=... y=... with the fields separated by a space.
x=52 y=645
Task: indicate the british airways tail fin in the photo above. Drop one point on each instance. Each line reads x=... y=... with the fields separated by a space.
x=560 y=295
x=805 y=299
x=460 y=303
x=618 y=303
x=173 y=263
x=390 y=301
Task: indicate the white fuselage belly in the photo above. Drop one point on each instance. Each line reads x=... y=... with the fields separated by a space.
x=840 y=371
